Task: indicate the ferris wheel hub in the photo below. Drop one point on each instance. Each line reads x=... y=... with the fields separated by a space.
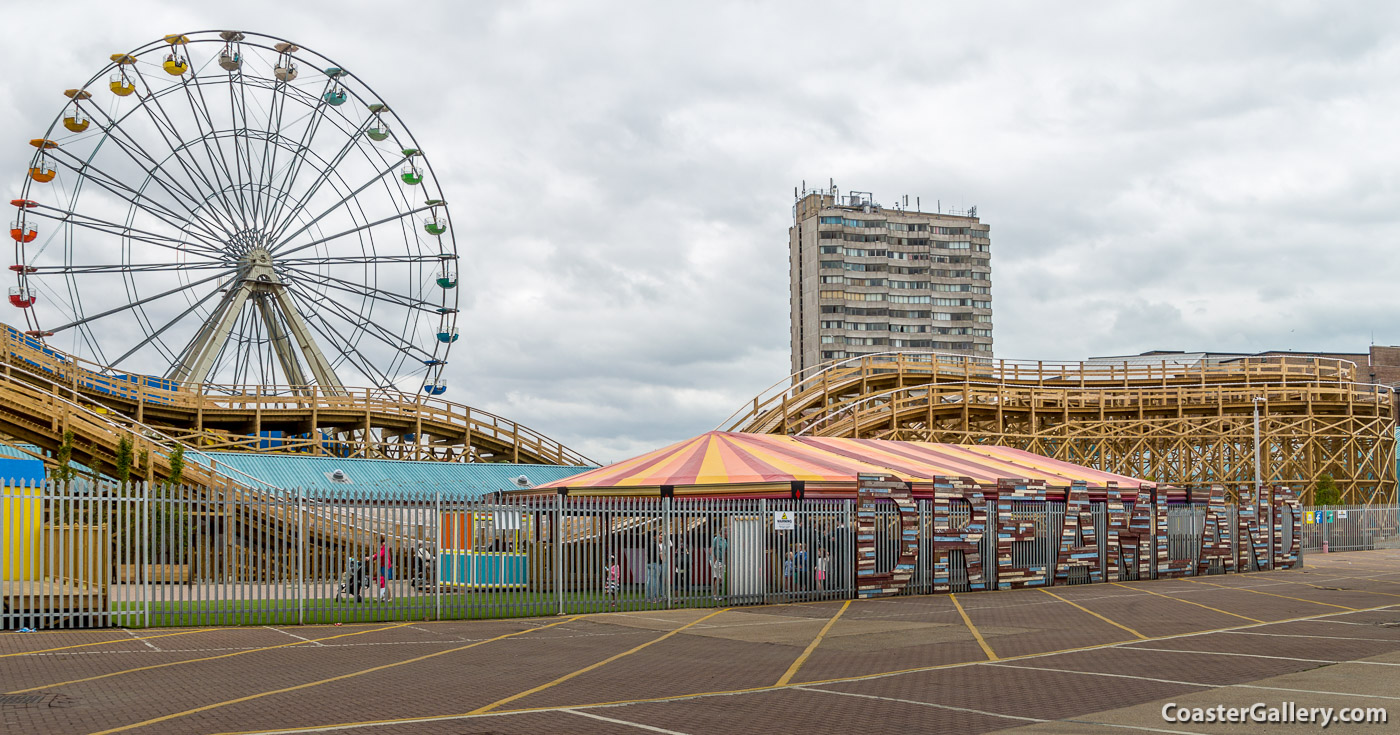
x=258 y=256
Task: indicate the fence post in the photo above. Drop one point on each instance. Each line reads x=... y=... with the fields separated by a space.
x=145 y=556
x=437 y=555
x=559 y=550
x=849 y=553
x=301 y=556
x=667 y=568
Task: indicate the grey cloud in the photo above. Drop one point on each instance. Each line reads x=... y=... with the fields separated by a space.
x=1189 y=176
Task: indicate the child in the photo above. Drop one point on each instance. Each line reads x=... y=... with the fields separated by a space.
x=613 y=575
x=823 y=564
x=787 y=572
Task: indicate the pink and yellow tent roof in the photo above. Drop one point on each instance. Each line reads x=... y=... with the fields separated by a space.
x=723 y=462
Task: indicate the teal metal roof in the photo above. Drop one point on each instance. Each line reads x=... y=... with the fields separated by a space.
x=397 y=478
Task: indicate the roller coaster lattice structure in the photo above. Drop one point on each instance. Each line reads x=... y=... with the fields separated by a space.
x=1162 y=421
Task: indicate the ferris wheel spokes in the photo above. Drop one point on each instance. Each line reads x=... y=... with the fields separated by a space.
x=282 y=241
x=137 y=198
x=141 y=302
x=274 y=223
x=360 y=260
x=291 y=173
x=155 y=334
x=328 y=331
x=202 y=110
x=321 y=240
x=197 y=176
x=359 y=289
x=374 y=328
x=113 y=228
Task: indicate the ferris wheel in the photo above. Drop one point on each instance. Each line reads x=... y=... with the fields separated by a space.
x=233 y=209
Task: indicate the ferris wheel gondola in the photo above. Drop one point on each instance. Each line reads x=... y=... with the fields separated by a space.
x=231 y=224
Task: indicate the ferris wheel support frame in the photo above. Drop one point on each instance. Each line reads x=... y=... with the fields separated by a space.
x=259 y=281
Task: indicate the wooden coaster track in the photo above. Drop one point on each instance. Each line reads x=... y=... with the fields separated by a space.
x=1159 y=420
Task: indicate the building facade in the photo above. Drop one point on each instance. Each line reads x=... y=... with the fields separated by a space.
x=867 y=279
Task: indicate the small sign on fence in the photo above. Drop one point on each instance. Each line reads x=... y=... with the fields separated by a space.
x=1341 y=515
x=783 y=520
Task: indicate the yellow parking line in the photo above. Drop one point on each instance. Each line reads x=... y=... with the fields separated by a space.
x=1270 y=594
x=787 y=676
x=748 y=690
x=310 y=684
x=207 y=658
x=1091 y=612
x=1188 y=602
x=103 y=643
x=586 y=669
x=975 y=633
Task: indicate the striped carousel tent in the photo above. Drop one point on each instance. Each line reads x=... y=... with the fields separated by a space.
x=765 y=465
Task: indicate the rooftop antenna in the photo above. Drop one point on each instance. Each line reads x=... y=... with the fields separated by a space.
x=917 y=207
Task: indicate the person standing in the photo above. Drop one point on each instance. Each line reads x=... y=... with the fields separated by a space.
x=658 y=551
x=719 y=554
x=787 y=572
x=612 y=579
x=385 y=561
x=823 y=568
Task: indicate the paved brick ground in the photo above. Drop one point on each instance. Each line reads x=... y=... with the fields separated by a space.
x=1097 y=658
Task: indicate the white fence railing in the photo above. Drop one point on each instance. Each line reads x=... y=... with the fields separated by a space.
x=101 y=555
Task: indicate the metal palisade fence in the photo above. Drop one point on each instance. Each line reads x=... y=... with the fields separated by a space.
x=92 y=555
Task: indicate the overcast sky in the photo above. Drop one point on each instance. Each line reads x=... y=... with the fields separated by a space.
x=1217 y=176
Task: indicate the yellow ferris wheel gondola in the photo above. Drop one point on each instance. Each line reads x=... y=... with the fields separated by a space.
x=120 y=83
x=76 y=121
x=42 y=170
x=175 y=64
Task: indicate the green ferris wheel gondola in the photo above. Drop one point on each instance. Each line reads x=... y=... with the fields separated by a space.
x=411 y=174
x=378 y=131
x=446 y=280
x=435 y=228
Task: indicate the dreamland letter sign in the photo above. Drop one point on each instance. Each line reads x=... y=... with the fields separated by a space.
x=1133 y=542
x=959 y=530
x=876 y=491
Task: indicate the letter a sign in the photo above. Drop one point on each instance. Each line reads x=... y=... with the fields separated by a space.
x=782 y=520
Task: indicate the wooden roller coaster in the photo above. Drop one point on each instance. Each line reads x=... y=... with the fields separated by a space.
x=1160 y=420
x=47 y=391
x=242 y=522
